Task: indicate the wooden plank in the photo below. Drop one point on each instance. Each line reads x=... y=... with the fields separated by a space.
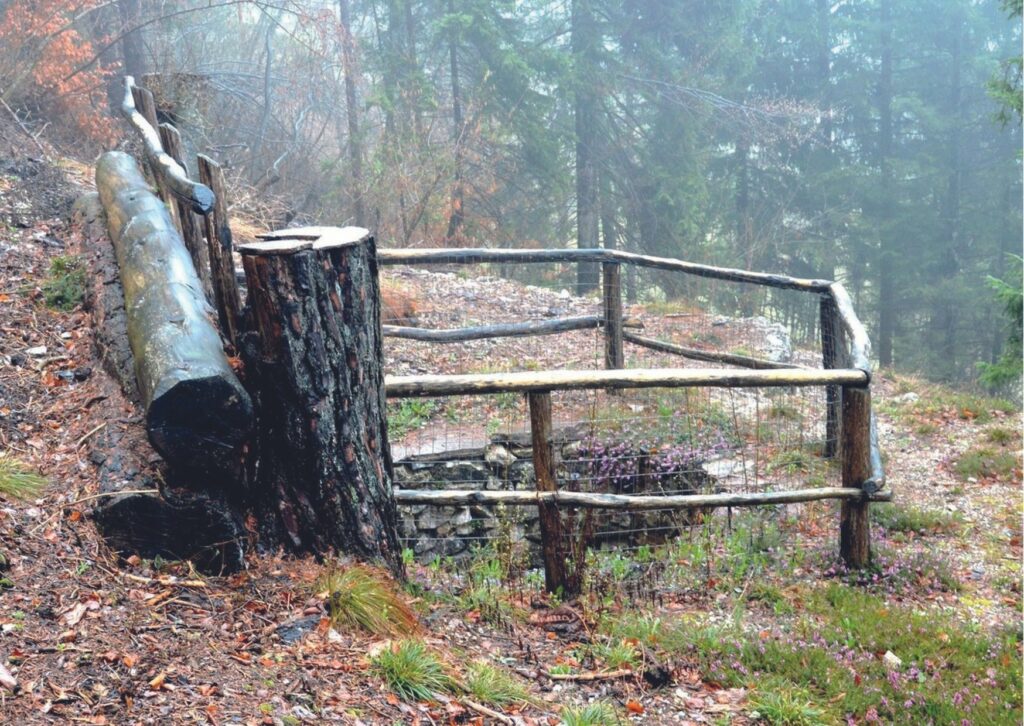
x=611 y=276
x=551 y=533
x=627 y=502
x=525 y=382
x=164 y=167
x=219 y=250
x=480 y=255
x=854 y=524
x=710 y=356
x=191 y=231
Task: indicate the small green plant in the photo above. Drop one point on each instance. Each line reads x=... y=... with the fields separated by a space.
x=895 y=518
x=984 y=462
x=782 y=705
x=493 y=685
x=408 y=415
x=412 y=671
x=362 y=597
x=646 y=629
x=18 y=480
x=791 y=461
x=598 y=713
x=618 y=655
x=784 y=412
x=64 y=289
x=1002 y=436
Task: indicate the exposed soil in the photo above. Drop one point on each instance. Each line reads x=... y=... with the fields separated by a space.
x=93 y=640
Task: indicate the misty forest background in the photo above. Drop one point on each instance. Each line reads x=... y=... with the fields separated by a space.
x=872 y=141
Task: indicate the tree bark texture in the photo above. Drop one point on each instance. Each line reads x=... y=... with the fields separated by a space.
x=197 y=413
x=325 y=473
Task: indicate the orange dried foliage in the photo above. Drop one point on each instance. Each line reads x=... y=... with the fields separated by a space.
x=40 y=52
x=399 y=306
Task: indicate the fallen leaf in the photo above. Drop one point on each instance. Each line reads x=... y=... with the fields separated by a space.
x=157 y=683
x=634 y=707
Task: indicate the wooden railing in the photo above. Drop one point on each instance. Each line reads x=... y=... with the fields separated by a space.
x=845 y=375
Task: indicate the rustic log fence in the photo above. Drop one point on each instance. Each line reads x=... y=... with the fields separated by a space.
x=299 y=257
x=845 y=376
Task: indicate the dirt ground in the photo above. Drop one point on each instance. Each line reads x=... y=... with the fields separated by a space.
x=85 y=638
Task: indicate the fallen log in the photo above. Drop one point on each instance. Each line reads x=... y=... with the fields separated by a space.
x=197 y=413
x=140 y=507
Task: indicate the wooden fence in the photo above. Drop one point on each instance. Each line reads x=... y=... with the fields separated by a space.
x=200 y=212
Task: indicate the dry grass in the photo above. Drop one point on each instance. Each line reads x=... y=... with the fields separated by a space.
x=364 y=597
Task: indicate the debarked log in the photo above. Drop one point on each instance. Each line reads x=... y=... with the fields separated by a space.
x=142 y=507
x=198 y=415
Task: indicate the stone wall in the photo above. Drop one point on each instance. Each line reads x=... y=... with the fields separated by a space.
x=431 y=531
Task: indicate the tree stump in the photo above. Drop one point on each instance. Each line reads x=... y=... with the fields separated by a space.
x=315 y=356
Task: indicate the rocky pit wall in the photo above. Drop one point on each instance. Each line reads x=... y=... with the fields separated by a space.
x=433 y=531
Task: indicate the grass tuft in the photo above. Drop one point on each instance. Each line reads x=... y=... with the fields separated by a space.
x=598 y=713
x=780 y=705
x=492 y=685
x=984 y=462
x=412 y=671
x=894 y=518
x=363 y=597
x=17 y=479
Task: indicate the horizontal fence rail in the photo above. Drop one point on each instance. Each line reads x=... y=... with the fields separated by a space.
x=527 y=382
x=624 y=502
x=486 y=255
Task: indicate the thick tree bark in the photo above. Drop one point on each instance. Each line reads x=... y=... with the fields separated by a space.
x=316 y=358
x=197 y=413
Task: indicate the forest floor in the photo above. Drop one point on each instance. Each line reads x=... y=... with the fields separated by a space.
x=745 y=621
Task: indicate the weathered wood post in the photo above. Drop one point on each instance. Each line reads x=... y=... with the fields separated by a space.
x=855 y=433
x=552 y=536
x=832 y=343
x=219 y=251
x=316 y=363
x=191 y=231
x=611 y=273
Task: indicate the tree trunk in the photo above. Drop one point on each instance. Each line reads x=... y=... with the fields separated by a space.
x=455 y=217
x=583 y=41
x=145 y=507
x=886 y=288
x=197 y=413
x=325 y=473
x=355 y=144
x=132 y=50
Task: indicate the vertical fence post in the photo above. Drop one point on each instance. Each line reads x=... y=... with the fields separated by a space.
x=854 y=525
x=188 y=225
x=222 y=263
x=831 y=339
x=611 y=273
x=144 y=104
x=551 y=535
